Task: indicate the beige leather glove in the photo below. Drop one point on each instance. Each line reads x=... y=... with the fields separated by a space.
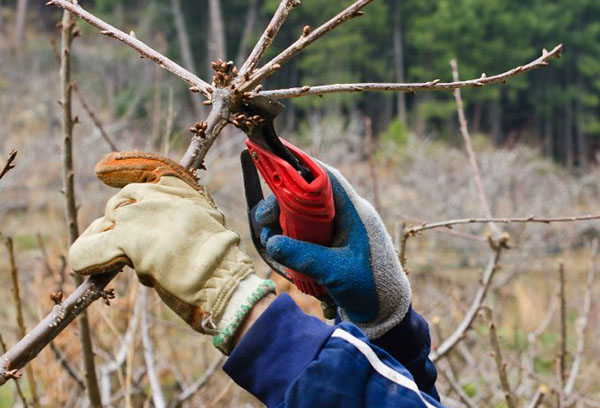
x=169 y=230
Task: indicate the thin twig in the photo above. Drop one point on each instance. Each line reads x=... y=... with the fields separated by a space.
x=562 y=346
x=197 y=385
x=125 y=344
x=9 y=163
x=467 y=321
x=68 y=31
x=464 y=130
x=94 y=119
x=537 y=399
x=14 y=274
x=541 y=220
x=458 y=389
x=500 y=363
x=67 y=366
x=267 y=37
x=412 y=88
x=129 y=40
x=157 y=394
x=551 y=384
x=354 y=10
x=583 y=322
x=19 y=390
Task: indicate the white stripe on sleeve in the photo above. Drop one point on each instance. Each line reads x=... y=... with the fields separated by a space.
x=378 y=365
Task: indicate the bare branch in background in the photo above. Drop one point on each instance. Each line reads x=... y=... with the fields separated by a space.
x=307 y=37
x=476 y=303
x=184 y=47
x=9 y=163
x=538 y=398
x=157 y=394
x=583 y=321
x=532 y=219
x=197 y=385
x=129 y=40
x=66 y=365
x=562 y=345
x=500 y=363
x=14 y=274
x=464 y=130
x=69 y=30
x=94 y=119
x=455 y=385
x=434 y=85
x=120 y=357
x=267 y=37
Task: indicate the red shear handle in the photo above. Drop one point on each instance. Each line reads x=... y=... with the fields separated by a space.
x=306 y=209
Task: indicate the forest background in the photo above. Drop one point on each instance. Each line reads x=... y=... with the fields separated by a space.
x=537 y=138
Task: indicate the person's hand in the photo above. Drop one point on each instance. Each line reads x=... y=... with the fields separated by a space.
x=360 y=270
x=164 y=225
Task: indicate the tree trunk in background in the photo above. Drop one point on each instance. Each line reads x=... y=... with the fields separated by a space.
x=581 y=150
x=568 y=136
x=399 y=59
x=186 y=51
x=247 y=33
x=476 y=121
x=216 y=35
x=21 y=15
x=496 y=118
x=548 y=134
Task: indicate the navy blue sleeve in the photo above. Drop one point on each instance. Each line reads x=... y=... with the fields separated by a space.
x=409 y=343
x=278 y=347
x=289 y=359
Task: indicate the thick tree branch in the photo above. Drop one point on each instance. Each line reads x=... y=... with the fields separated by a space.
x=47 y=329
x=307 y=38
x=9 y=163
x=267 y=37
x=17 y=385
x=434 y=85
x=143 y=49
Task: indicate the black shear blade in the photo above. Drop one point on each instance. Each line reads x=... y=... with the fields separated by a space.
x=254 y=196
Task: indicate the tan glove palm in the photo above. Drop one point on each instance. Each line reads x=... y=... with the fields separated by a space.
x=172 y=234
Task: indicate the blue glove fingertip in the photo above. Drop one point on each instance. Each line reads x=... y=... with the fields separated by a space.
x=267 y=211
x=266 y=234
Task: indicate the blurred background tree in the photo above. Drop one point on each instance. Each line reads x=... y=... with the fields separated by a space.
x=556 y=110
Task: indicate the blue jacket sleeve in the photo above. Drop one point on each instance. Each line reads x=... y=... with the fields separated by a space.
x=409 y=343
x=289 y=359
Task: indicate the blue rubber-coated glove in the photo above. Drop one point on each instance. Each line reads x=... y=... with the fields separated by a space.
x=360 y=270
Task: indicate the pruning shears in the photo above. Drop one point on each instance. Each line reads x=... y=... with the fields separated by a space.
x=301 y=186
